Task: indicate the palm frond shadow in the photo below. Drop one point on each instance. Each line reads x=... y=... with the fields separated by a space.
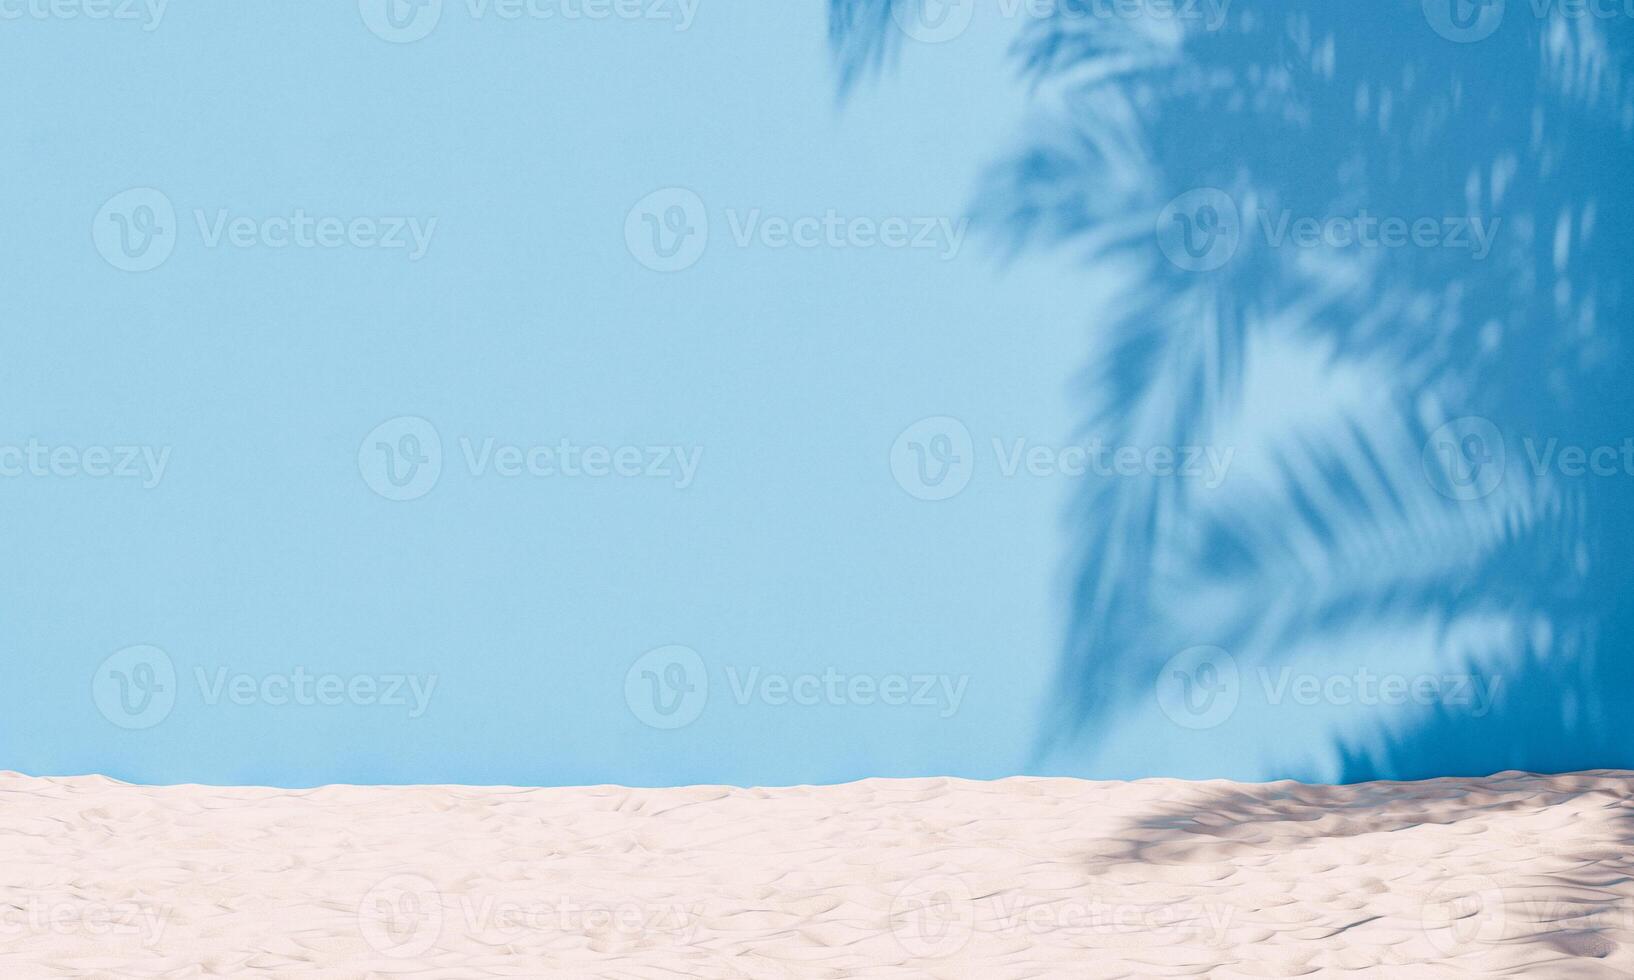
x=1295 y=815
x=862 y=37
x=1325 y=372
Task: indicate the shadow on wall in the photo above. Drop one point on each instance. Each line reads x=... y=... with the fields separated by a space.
x=1378 y=254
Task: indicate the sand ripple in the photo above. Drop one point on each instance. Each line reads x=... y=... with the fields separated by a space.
x=1515 y=875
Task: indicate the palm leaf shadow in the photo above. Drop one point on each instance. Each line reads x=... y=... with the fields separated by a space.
x=1327 y=371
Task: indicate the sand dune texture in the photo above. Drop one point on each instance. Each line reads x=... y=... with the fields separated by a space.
x=1516 y=875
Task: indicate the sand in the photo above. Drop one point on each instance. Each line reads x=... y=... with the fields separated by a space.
x=1515 y=875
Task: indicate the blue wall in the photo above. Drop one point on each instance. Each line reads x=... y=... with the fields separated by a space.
x=733 y=392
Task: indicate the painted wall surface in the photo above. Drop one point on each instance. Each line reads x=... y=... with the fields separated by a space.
x=676 y=391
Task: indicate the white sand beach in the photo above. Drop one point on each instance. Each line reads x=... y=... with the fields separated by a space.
x=1515 y=875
